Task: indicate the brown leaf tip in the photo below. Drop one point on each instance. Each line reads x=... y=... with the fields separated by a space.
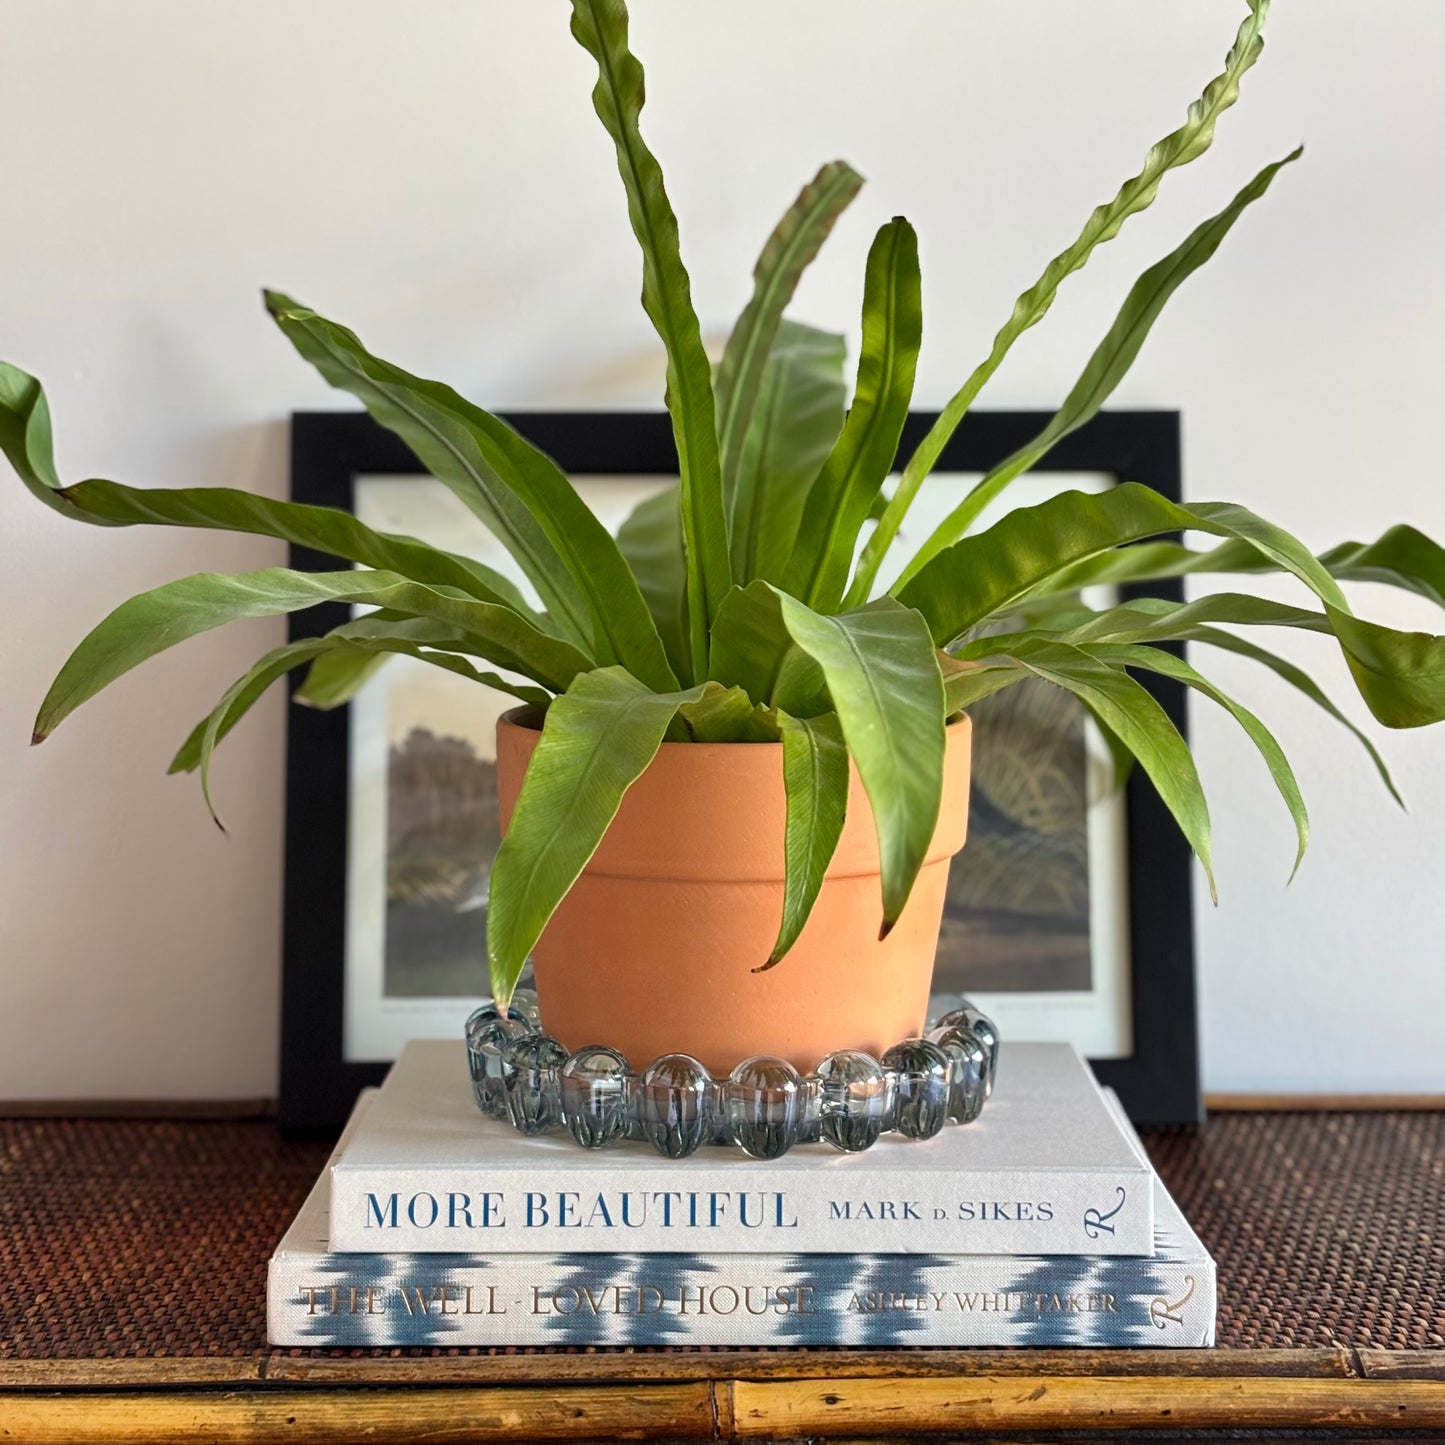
x=886 y=928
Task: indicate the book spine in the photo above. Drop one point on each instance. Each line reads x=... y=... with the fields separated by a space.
x=742 y=1210
x=740 y=1300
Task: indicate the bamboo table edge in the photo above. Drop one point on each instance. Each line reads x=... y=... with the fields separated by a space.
x=278 y=1367
x=732 y=1409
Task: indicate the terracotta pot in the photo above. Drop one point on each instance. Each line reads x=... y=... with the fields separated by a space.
x=653 y=950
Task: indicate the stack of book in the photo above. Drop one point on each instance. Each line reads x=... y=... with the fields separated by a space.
x=1041 y=1223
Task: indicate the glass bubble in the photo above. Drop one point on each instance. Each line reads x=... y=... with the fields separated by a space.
x=533 y=1089
x=920 y=1071
x=764 y=1101
x=594 y=1096
x=524 y=1002
x=488 y=1012
x=852 y=1090
x=488 y=1035
x=489 y=1009
x=968 y=1071
x=674 y=1104
x=969 y=1016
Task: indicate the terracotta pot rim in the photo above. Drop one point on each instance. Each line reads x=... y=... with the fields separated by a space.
x=518 y=717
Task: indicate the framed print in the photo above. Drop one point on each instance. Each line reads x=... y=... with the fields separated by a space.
x=1069 y=910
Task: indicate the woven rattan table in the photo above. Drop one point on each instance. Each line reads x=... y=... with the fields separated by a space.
x=132 y=1282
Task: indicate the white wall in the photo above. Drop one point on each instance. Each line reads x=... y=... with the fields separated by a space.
x=431 y=173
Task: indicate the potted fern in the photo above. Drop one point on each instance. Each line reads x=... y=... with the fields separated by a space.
x=739 y=768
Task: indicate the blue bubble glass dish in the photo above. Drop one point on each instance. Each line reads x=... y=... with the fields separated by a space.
x=764 y=1107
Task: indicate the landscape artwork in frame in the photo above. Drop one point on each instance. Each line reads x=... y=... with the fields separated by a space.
x=1035 y=924
x=424 y=827
x=1042 y=923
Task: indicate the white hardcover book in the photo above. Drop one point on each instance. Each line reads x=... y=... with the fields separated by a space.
x=1045 y=1170
x=322 y=1298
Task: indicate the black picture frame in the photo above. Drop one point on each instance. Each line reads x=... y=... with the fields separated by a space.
x=1158 y=1083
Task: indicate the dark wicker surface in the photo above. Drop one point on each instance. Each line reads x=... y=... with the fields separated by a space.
x=121 y=1238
